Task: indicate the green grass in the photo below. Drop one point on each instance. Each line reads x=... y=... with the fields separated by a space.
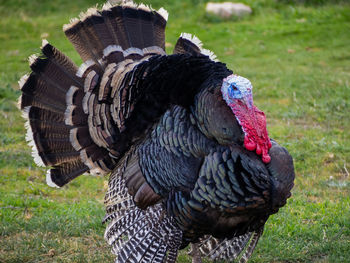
x=298 y=59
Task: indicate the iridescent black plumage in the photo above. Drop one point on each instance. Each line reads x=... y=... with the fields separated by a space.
x=158 y=123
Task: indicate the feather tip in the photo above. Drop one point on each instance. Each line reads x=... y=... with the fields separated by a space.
x=49 y=181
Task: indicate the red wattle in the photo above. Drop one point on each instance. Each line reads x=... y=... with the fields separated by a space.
x=266 y=158
x=253 y=122
x=258 y=149
x=248 y=144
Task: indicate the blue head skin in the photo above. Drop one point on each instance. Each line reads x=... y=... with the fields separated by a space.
x=239 y=88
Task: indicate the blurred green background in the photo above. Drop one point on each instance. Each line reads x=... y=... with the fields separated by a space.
x=296 y=54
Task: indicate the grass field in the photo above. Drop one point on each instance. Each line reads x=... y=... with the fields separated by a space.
x=298 y=59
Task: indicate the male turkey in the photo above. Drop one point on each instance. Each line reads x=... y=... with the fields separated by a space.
x=188 y=153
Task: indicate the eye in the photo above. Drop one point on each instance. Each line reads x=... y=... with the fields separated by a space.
x=234 y=87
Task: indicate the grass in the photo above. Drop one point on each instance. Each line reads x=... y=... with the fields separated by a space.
x=298 y=59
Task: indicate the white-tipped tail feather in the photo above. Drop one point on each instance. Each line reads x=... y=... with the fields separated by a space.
x=23 y=80
x=196 y=41
x=85 y=102
x=90 y=12
x=74 y=140
x=209 y=53
x=144 y=7
x=83 y=67
x=112 y=48
x=72 y=23
x=32 y=59
x=21 y=83
x=130 y=4
x=30 y=139
x=106 y=6
x=163 y=13
x=70 y=94
x=49 y=181
x=19 y=102
x=153 y=50
x=44 y=42
x=133 y=50
x=68 y=115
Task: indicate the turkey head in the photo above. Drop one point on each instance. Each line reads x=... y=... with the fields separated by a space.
x=246 y=126
x=237 y=92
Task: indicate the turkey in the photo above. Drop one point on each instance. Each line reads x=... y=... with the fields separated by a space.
x=187 y=152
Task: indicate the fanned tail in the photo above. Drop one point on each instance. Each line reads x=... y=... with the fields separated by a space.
x=75 y=115
x=138 y=235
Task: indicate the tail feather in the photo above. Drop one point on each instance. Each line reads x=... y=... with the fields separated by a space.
x=138 y=235
x=47 y=85
x=105 y=85
x=113 y=54
x=95 y=31
x=55 y=68
x=123 y=38
x=77 y=34
x=189 y=44
x=132 y=25
x=43 y=103
x=40 y=101
x=137 y=245
x=63 y=173
x=62 y=61
x=159 y=28
x=159 y=253
x=80 y=138
x=47 y=138
x=74 y=116
x=147 y=27
x=126 y=25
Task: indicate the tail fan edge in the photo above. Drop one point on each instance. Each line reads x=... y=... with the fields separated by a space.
x=188 y=43
x=128 y=25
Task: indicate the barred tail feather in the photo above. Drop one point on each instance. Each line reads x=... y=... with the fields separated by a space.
x=252 y=244
x=138 y=235
x=43 y=102
x=191 y=44
x=240 y=247
x=69 y=128
x=126 y=25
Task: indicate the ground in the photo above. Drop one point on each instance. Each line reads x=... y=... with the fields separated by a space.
x=297 y=57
